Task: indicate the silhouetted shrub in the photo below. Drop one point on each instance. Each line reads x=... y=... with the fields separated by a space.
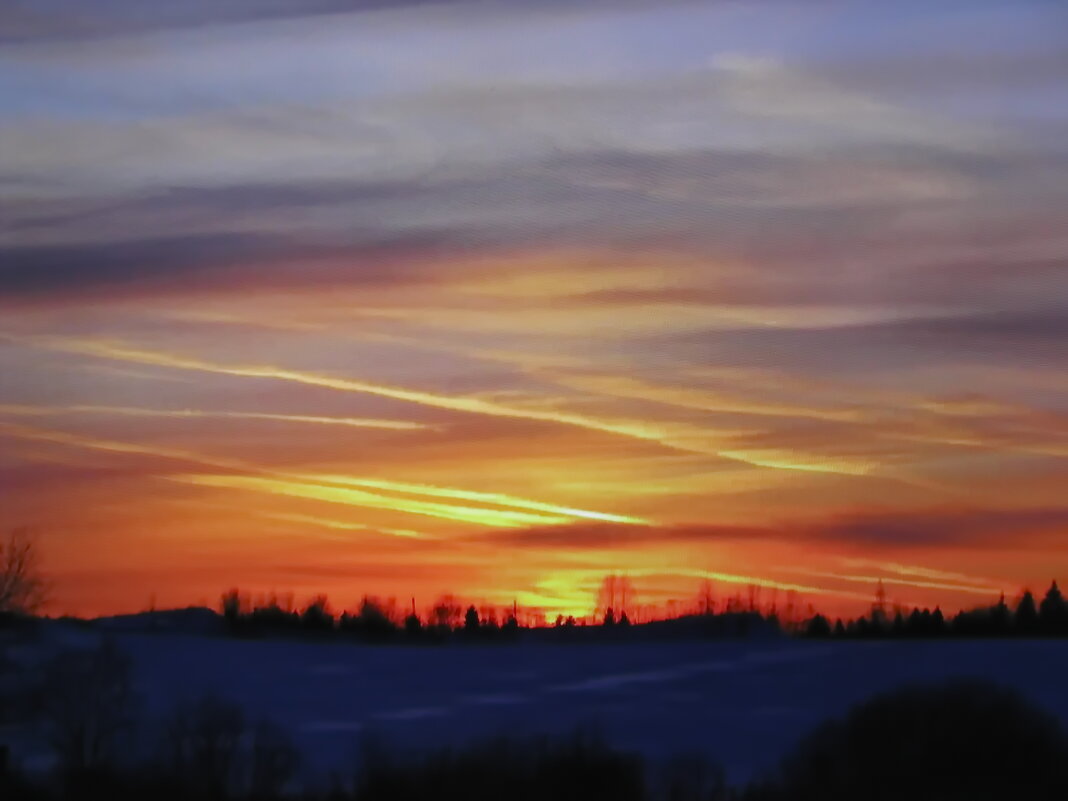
x=317 y=616
x=954 y=741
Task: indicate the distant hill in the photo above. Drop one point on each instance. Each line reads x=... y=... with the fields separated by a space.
x=191 y=620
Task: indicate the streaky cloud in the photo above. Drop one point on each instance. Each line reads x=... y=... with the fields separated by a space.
x=677 y=437
x=988 y=591
x=484 y=497
x=341 y=525
x=132 y=411
x=247 y=476
x=353 y=497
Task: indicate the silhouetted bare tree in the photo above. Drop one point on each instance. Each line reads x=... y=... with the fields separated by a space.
x=232 y=608
x=22 y=586
x=203 y=739
x=87 y=703
x=615 y=593
x=446 y=613
x=706 y=599
x=274 y=761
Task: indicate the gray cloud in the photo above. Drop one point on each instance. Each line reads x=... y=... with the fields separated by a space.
x=936 y=71
x=71 y=20
x=989 y=528
x=1005 y=528
x=596 y=536
x=205 y=263
x=66 y=20
x=1033 y=337
x=977 y=245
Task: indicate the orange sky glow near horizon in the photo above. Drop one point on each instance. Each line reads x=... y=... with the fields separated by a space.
x=482 y=311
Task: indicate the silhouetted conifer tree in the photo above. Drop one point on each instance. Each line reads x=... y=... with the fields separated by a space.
x=471 y=620
x=413 y=626
x=818 y=627
x=1053 y=612
x=1000 y=618
x=1026 y=615
x=898 y=627
x=938 y=622
x=374 y=622
x=914 y=626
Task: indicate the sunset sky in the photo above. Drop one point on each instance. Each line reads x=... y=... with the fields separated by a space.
x=494 y=298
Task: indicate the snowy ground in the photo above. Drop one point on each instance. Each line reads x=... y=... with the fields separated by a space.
x=744 y=703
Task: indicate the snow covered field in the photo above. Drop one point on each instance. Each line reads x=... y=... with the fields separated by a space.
x=742 y=702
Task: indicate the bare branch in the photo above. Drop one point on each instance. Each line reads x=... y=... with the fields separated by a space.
x=22 y=587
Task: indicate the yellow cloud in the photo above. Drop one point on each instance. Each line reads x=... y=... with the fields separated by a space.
x=352 y=497
x=483 y=497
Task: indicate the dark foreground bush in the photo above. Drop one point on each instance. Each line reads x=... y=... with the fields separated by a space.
x=576 y=769
x=953 y=741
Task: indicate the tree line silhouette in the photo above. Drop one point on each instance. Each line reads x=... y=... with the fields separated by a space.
x=379 y=621
x=374 y=620
x=1027 y=619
